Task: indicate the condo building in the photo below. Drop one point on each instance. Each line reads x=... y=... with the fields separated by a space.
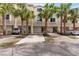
x=36 y=25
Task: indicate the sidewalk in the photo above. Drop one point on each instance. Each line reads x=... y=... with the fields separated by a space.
x=32 y=39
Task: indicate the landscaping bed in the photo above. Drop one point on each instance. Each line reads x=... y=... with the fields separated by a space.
x=9 y=42
x=49 y=39
x=73 y=37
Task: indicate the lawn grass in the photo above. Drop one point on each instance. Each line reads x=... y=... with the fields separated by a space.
x=49 y=39
x=9 y=42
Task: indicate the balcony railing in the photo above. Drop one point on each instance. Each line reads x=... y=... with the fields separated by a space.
x=43 y=23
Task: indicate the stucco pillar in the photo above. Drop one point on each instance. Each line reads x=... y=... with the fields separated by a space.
x=32 y=26
x=15 y=21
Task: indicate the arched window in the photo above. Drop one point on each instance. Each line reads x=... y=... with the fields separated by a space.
x=39 y=18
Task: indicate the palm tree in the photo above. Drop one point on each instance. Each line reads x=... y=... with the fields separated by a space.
x=23 y=9
x=4 y=8
x=66 y=8
x=47 y=13
x=26 y=16
x=59 y=11
x=63 y=12
x=16 y=13
x=74 y=16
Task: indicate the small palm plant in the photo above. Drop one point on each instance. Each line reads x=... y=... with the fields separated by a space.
x=66 y=9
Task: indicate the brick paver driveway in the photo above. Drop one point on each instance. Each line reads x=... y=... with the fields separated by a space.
x=41 y=49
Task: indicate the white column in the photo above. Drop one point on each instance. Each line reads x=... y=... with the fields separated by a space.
x=32 y=26
x=15 y=26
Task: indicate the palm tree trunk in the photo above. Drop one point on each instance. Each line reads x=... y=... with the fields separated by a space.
x=26 y=27
x=61 y=25
x=45 y=29
x=3 y=22
x=74 y=26
x=74 y=23
x=22 y=26
x=65 y=18
x=64 y=27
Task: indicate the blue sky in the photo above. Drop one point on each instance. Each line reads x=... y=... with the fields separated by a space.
x=74 y=5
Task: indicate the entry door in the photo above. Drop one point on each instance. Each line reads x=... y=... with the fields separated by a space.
x=54 y=29
x=29 y=29
x=42 y=29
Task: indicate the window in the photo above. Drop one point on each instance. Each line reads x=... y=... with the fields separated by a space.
x=7 y=16
x=39 y=18
x=39 y=9
x=52 y=20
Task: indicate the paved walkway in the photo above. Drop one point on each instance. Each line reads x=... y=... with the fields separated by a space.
x=32 y=39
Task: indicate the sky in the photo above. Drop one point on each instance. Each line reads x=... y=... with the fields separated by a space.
x=74 y=5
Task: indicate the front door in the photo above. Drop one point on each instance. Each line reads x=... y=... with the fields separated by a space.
x=54 y=29
x=29 y=29
x=42 y=29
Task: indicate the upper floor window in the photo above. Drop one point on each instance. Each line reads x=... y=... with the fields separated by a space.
x=39 y=18
x=7 y=17
x=39 y=9
x=52 y=20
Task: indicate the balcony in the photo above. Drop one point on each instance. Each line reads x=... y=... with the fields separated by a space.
x=53 y=23
x=43 y=24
